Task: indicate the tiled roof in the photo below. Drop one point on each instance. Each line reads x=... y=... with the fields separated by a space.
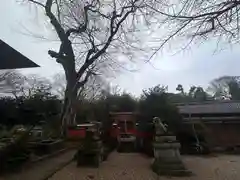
x=210 y=107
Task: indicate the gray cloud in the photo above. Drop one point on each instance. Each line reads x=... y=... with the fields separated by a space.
x=197 y=67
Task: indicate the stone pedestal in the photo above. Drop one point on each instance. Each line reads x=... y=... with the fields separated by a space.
x=167 y=159
x=90 y=151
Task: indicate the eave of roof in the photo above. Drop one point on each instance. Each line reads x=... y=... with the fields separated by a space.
x=220 y=107
x=12 y=59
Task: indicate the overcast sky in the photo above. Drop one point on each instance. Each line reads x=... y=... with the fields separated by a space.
x=195 y=67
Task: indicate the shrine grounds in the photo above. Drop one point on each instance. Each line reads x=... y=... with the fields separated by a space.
x=134 y=166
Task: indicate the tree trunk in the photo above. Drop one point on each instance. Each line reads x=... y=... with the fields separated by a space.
x=68 y=113
x=70 y=100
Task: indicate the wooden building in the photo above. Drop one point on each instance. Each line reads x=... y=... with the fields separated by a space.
x=217 y=121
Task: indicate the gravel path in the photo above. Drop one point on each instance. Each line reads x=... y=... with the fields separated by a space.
x=137 y=167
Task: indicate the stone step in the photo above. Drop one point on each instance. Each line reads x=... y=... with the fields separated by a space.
x=165 y=138
x=171 y=172
x=171 y=166
x=174 y=167
x=168 y=145
x=169 y=160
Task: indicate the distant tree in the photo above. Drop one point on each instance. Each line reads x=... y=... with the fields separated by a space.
x=12 y=83
x=181 y=97
x=27 y=110
x=35 y=84
x=154 y=102
x=42 y=106
x=17 y=85
x=225 y=87
x=180 y=89
x=8 y=110
x=121 y=103
x=234 y=89
x=197 y=93
x=26 y=99
x=192 y=91
x=59 y=84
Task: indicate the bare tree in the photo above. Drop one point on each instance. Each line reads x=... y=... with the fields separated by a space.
x=90 y=91
x=11 y=83
x=35 y=84
x=225 y=87
x=200 y=19
x=59 y=84
x=89 y=32
x=93 y=88
x=197 y=93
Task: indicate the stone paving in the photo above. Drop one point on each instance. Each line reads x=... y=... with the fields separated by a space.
x=134 y=166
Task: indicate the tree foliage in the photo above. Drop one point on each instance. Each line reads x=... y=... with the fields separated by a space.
x=26 y=99
x=121 y=103
x=195 y=94
x=28 y=110
x=198 y=93
x=36 y=101
x=155 y=103
x=180 y=88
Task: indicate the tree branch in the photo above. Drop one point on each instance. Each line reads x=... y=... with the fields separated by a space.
x=81 y=28
x=83 y=82
x=101 y=14
x=38 y=3
x=222 y=26
x=58 y=10
x=57 y=26
x=213 y=13
x=113 y=31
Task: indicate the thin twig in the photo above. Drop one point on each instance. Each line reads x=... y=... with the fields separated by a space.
x=38 y=3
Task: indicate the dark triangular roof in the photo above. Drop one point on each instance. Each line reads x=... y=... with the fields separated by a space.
x=12 y=59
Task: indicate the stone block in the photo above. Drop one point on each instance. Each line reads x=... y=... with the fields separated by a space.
x=172 y=145
x=168 y=153
x=170 y=169
x=165 y=138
